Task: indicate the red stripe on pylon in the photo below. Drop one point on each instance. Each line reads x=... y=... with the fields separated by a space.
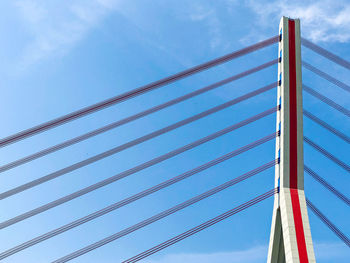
x=293 y=147
x=299 y=227
x=293 y=139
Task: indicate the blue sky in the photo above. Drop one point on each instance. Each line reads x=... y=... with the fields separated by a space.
x=56 y=57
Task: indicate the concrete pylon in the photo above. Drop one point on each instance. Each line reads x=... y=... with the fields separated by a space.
x=290 y=239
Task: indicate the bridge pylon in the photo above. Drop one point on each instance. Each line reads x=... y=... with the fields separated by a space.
x=290 y=239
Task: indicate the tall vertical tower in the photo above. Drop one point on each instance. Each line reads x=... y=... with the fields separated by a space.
x=290 y=239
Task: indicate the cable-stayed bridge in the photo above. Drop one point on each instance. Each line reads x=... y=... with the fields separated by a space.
x=291 y=239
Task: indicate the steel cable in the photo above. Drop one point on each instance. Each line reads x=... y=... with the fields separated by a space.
x=134 y=117
x=134 y=142
x=201 y=227
x=328 y=223
x=326 y=76
x=165 y=213
x=133 y=93
x=135 y=197
x=327 y=185
x=135 y=169
x=325 y=53
x=327 y=154
x=326 y=100
x=327 y=126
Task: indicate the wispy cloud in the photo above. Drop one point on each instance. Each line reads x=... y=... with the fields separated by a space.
x=207 y=14
x=55 y=27
x=324 y=20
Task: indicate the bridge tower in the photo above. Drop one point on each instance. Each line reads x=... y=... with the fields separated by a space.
x=290 y=239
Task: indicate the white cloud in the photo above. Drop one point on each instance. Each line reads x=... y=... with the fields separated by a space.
x=323 y=20
x=56 y=26
x=207 y=14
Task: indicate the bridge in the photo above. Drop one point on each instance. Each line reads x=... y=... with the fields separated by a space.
x=291 y=233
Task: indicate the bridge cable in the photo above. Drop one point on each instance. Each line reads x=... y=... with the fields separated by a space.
x=326 y=100
x=134 y=117
x=134 y=142
x=326 y=76
x=327 y=154
x=327 y=185
x=166 y=213
x=135 y=169
x=327 y=126
x=325 y=53
x=133 y=93
x=135 y=197
x=201 y=227
x=328 y=223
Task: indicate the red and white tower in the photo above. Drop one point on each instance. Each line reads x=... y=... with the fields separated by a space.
x=290 y=239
